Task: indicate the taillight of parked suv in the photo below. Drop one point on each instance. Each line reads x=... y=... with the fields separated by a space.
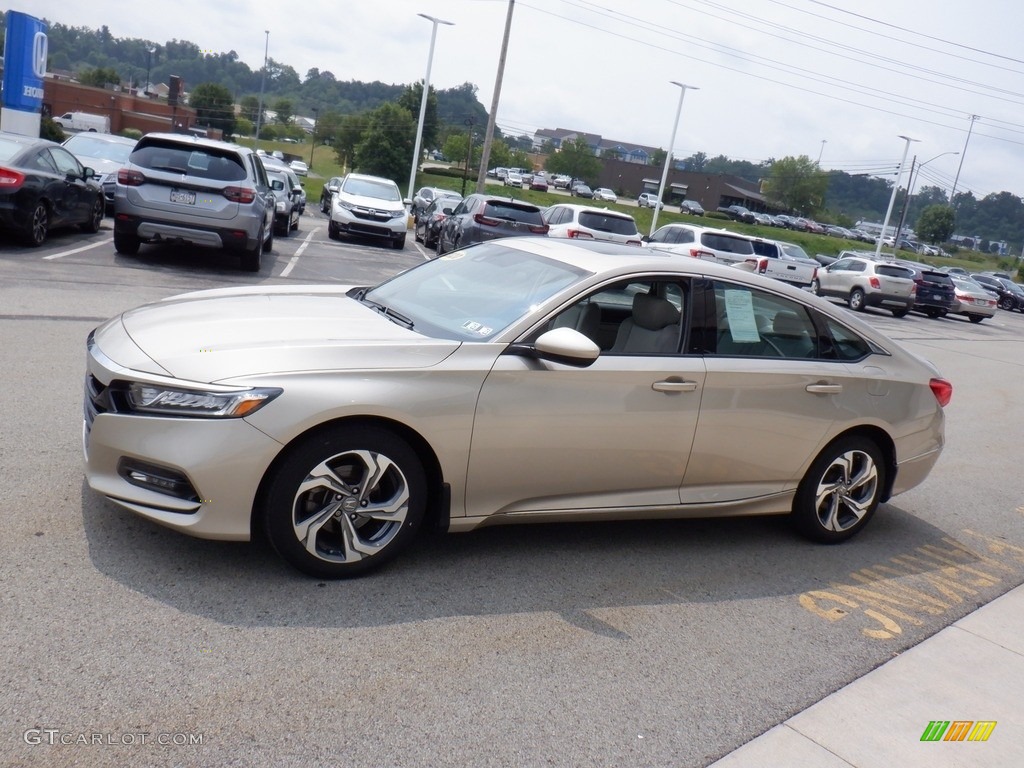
x=130 y=178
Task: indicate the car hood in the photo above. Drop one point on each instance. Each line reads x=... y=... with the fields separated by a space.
x=101 y=165
x=212 y=336
x=362 y=201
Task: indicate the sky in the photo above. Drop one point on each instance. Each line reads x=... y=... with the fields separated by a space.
x=827 y=79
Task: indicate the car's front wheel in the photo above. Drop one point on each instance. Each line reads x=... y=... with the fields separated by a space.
x=1006 y=303
x=99 y=209
x=399 y=243
x=840 y=491
x=345 y=501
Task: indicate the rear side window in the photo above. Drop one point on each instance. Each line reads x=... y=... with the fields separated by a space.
x=500 y=209
x=603 y=222
x=726 y=243
x=201 y=162
x=761 y=248
x=886 y=270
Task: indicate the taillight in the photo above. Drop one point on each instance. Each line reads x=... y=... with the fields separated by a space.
x=239 y=194
x=539 y=229
x=11 y=179
x=874 y=282
x=697 y=253
x=814 y=274
x=762 y=266
x=637 y=243
x=913 y=290
x=576 y=233
x=130 y=178
x=487 y=221
x=942 y=390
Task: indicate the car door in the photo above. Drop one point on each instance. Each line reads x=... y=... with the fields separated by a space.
x=770 y=399
x=73 y=198
x=613 y=435
x=837 y=278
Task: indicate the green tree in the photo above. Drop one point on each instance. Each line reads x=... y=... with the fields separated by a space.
x=387 y=144
x=798 y=184
x=935 y=224
x=349 y=134
x=214 y=106
x=695 y=162
x=99 y=77
x=327 y=126
x=250 y=108
x=658 y=158
x=285 y=111
x=575 y=159
x=456 y=147
x=410 y=100
x=500 y=155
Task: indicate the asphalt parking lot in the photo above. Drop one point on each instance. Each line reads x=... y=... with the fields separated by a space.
x=664 y=643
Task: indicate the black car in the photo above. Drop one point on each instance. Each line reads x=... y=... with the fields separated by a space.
x=426 y=195
x=288 y=205
x=333 y=185
x=1011 y=296
x=486 y=217
x=936 y=294
x=581 y=190
x=738 y=213
x=43 y=186
x=427 y=224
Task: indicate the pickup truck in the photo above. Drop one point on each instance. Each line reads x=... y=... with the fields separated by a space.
x=783 y=261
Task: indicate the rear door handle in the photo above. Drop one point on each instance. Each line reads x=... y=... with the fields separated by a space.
x=825 y=389
x=674 y=386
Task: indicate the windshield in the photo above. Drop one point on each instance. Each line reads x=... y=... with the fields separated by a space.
x=473 y=294
x=90 y=146
x=382 y=190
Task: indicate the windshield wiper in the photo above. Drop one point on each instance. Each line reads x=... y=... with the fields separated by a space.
x=389 y=313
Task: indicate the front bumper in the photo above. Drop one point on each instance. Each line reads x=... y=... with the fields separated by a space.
x=368 y=222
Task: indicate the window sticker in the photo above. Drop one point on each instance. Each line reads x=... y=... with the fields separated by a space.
x=471 y=326
x=739 y=310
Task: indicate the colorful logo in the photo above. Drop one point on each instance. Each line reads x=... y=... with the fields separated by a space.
x=958 y=730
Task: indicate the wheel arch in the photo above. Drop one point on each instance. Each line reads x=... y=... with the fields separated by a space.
x=885 y=444
x=438 y=499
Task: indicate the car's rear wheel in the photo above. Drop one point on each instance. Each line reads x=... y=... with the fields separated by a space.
x=815 y=287
x=934 y=313
x=268 y=244
x=38 y=225
x=252 y=259
x=856 y=300
x=975 y=318
x=900 y=312
x=125 y=243
x=840 y=491
x=99 y=209
x=345 y=501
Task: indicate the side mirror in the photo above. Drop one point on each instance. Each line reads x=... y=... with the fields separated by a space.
x=561 y=345
x=297 y=190
x=447 y=211
x=88 y=173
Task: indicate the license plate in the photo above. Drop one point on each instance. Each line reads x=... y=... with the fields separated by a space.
x=936 y=297
x=183 y=196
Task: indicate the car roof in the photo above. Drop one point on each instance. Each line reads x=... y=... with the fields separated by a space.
x=199 y=141
x=592 y=209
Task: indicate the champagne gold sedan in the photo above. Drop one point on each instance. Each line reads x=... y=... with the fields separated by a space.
x=518 y=380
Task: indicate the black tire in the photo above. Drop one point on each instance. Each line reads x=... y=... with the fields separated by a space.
x=1007 y=303
x=437 y=245
x=295 y=224
x=841 y=490
x=126 y=244
x=99 y=210
x=815 y=287
x=38 y=225
x=332 y=231
x=975 y=318
x=252 y=259
x=398 y=244
x=268 y=245
x=934 y=313
x=416 y=235
x=856 y=300
x=359 y=528
x=900 y=312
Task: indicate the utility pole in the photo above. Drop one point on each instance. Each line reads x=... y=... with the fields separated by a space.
x=962 y=155
x=485 y=155
x=906 y=204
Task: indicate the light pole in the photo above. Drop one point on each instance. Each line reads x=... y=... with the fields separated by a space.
x=149 y=67
x=821 y=151
x=316 y=113
x=263 y=82
x=910 y=189
x=423 y=101
x=668 y=156
x=892 y=198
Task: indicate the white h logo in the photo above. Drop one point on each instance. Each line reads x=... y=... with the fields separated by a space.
x=39 y=50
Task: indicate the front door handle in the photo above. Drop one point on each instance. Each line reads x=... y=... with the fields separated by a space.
x=674 y=386
x=825 y=389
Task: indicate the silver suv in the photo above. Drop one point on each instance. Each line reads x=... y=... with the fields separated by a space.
x=183 y=189
x=864 y=282
x=369 y=206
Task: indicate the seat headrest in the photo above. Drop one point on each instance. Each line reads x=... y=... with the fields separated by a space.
x=653 y=313
x=789 y=324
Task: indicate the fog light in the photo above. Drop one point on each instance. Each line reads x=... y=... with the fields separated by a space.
x=160 y=479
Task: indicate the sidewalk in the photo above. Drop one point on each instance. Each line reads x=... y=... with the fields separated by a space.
x=970 y=671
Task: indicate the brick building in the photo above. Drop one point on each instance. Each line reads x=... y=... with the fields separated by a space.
x=125 y=109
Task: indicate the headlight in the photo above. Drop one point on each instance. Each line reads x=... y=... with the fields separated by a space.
x=343 y=204
x=281 y=207
x=154 y=398
x=398 y=214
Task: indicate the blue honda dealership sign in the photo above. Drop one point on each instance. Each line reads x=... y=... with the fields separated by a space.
x=24 y=62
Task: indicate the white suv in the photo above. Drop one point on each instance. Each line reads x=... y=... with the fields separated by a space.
x=369 y=206
x=702 y=243
x=581 y=222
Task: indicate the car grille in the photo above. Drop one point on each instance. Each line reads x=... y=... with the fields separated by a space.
x=371 y=214
x=95 y=402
